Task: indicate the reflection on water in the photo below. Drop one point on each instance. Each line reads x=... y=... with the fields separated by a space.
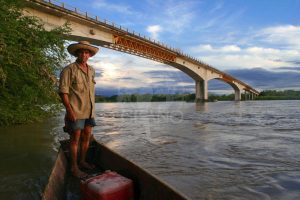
x=220 y=150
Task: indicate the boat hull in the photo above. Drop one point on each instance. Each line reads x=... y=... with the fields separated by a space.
x=146 y=185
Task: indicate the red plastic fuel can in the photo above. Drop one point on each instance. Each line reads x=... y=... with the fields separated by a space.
x=107 y=186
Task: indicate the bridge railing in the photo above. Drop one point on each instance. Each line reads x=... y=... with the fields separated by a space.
x=98 y=19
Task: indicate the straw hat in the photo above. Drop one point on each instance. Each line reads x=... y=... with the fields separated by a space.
x=72 y=48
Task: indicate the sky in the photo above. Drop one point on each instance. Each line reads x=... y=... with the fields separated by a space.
x=256 y=41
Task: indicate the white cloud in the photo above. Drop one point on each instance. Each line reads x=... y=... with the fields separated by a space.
x=185 y=84
x=201 y=48
x=230 y=48
x=154 y=30
x=260 y=50
x=287 y=35
x=210 y=48
x=270 y=48
x=232 y=56
x=223 y=62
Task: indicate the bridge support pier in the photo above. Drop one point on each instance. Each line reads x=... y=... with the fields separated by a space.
x=238 y=95
x=201 y=91
x=249 y=95
x=245 y=95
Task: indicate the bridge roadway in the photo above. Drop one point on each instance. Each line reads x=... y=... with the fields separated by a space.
x=102 y=33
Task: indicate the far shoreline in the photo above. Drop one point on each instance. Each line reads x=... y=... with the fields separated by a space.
x=190 y=97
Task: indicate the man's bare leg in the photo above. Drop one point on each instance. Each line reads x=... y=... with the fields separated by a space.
x=85 y=142
x=75 y=137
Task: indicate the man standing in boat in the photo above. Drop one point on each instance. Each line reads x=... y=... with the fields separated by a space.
x=77 y=91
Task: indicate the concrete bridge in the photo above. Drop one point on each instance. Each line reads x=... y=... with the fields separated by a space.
x=109 y=35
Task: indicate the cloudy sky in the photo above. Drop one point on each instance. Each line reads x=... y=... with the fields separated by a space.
x=256 y=41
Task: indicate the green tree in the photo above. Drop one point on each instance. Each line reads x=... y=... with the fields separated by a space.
x=30 y=57
x=279 y=95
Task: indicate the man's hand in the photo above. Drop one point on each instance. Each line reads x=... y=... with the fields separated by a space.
x=71 y=115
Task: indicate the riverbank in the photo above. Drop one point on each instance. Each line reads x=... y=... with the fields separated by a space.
x=187 y=97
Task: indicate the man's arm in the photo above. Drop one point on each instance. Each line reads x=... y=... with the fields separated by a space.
x=65 y=100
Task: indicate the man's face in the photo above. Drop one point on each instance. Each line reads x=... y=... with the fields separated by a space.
x=83 y=55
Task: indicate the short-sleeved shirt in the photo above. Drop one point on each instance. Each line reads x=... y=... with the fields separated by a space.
x=80 y=87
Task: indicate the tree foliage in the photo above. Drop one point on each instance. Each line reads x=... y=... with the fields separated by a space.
x=279 y=95
x=30 y=56
x=264 y=95
x=146 y=98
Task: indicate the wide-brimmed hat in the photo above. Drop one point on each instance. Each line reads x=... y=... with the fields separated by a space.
x=72 y=48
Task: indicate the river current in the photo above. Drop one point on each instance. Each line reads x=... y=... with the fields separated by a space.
x=219 y=150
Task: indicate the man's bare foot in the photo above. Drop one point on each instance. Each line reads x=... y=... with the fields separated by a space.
x=78 y=173
x=86 y=165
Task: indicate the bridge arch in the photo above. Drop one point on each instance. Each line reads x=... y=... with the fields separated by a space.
x=202 y=77
x=237 y=89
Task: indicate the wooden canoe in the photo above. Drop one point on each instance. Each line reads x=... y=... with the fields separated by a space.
x=146 y=185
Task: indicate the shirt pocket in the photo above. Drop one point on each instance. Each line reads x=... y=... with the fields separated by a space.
x=78 y=85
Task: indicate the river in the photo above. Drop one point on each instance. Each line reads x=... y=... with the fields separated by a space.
x=218 y=150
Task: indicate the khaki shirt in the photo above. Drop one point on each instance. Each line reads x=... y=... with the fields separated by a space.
x=80 y=87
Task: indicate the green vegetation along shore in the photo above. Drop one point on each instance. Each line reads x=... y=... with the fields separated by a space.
x=30 y=56
x=264 y=95
x=146 y=98
x=279 y=95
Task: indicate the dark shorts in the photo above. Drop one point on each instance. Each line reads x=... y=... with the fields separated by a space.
x=78 y=124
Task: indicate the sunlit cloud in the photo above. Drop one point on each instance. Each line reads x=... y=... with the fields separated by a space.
x=120 y=70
